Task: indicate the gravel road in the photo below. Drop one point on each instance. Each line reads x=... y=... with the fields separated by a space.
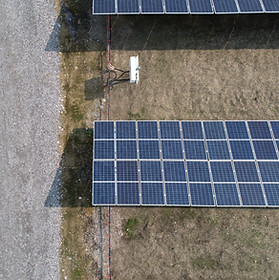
x=29 y=120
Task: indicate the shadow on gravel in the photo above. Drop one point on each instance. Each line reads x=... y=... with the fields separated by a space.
x=71 y=186
x=77 y=30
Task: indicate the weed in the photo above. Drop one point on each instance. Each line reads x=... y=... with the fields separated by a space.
x=137 y=116
x=205 y=263
x=131 y=226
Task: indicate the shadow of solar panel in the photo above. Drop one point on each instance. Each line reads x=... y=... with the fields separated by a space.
x=147 y=130
x=269 y=171
x=176 y=6
x=222 y=171
x=200 y=7
x=198 y=171
x=259 y=130
x=194 y=150
x=271 y=6
x=174 y=171
x=241 y=150
x=149 y=149
x=250 y=6
x=104 y=149
x=152 y=7
x=225 y=7
x=151 y=171
x=104 y=7
x=127 y=6
x=275 y=126
x=103 y=193
x=104 y=130
x=127 y=171
x=192 y=130
x=170 y=130
x=237 y=130
x=226 y=195
x=201 y=194
x=126 y=149
x=177 y=194
x=128 y=193
x=172 y=149
x=264 y=150
x=272 y=194
x=218 y=150
x=214 y=130
x=152 y=194
x=126 y=130
x=251 y=195
x=246 y=171
x=103 y=171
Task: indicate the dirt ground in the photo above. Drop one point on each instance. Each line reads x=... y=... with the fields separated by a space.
x=221 y=67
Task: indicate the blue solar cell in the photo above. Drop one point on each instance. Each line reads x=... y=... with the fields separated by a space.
x=269 y=171
x=264 y=150
x=126 y=149
x=226 y=195
x=271 y=5
x=151 y=171
x=201 y=194
x=222 y=171
x=147 y=130
x=198 y=171
x=250 y=6
x=192 y=130
x=177 y=194
x=194 y=150
x=225 y=7
x=127 y=171
x=200 y=7
x=103 y=193
x=126 y=130
x=174 y=171
x=272 y=194
x=149 y=149
x=218 y=150
x=172 y=149
x=259 y=130
x=246 y=171
x=237 y=130
x=251 y=194
x=241 y=150
x=152 y=193
x=176 y=6
x=152 y=6
x=104 y=149
x=170 y=130
x=214 y=130
x=103 y=171
x=277 y=143
x=104 y=130
x=128 y=193
x=275 y=125
x=103 y=6
x=127 y=6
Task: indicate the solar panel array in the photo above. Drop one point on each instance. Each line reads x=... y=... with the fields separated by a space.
x=105 y=7
x=186 y=163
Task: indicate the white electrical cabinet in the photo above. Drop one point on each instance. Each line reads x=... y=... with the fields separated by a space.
x=134 y=69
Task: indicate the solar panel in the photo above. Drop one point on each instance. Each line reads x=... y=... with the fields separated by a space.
x=152 y=6
x=151 y=163
x=225 y=7
x=176 y=6
x=201 y=194
x=177 y=194
x=200 y=7
x=252 y=195
x=104 y=7
x=250 y=6
x=172 y=149
x=127 y=6
x=226 y=195
x=271 y=6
